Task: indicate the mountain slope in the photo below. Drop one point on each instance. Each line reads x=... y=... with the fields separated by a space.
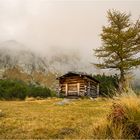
x=14 y=54
x=18 y=62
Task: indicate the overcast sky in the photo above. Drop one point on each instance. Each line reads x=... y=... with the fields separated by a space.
x=50 y=25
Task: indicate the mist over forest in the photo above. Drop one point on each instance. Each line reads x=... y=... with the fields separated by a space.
x=13 y=53
x=55 y=36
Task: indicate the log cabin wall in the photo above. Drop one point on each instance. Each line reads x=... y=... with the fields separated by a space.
x=73 y=85
x=92 y=88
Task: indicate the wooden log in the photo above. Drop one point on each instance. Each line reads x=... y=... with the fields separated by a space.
x=78 y=88
x=66 y=89
x=73 y=82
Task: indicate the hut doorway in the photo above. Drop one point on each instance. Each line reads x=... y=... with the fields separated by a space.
x=72 y=89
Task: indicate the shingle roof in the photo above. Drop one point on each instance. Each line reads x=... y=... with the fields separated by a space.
x=70 y=73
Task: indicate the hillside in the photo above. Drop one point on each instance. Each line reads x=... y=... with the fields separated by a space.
x=37 y=77
x=14 y=54
x=19 y=62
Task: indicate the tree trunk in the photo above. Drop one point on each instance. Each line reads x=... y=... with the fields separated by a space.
x=122 y=81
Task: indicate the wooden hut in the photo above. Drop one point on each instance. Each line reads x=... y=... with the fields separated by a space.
x=78 y=84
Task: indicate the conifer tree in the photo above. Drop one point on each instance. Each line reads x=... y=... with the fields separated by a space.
x=120 y=48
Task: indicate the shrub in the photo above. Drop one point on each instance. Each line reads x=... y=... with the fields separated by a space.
x=123 y=121
x=108 y=84
x=10 y=89
x=120 y=118
x=40 y=92
x=13 y=89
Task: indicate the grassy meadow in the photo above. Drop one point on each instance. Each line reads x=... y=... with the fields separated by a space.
x=79 y=119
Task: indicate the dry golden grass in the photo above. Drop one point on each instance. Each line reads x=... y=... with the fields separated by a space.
x=46 y=119
x=80 y=119
x=123 y=121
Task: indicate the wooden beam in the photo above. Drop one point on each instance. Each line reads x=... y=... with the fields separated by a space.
x=78 y=88
x=66 y=90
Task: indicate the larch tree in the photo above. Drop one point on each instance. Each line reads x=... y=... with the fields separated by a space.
x=120 y=48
